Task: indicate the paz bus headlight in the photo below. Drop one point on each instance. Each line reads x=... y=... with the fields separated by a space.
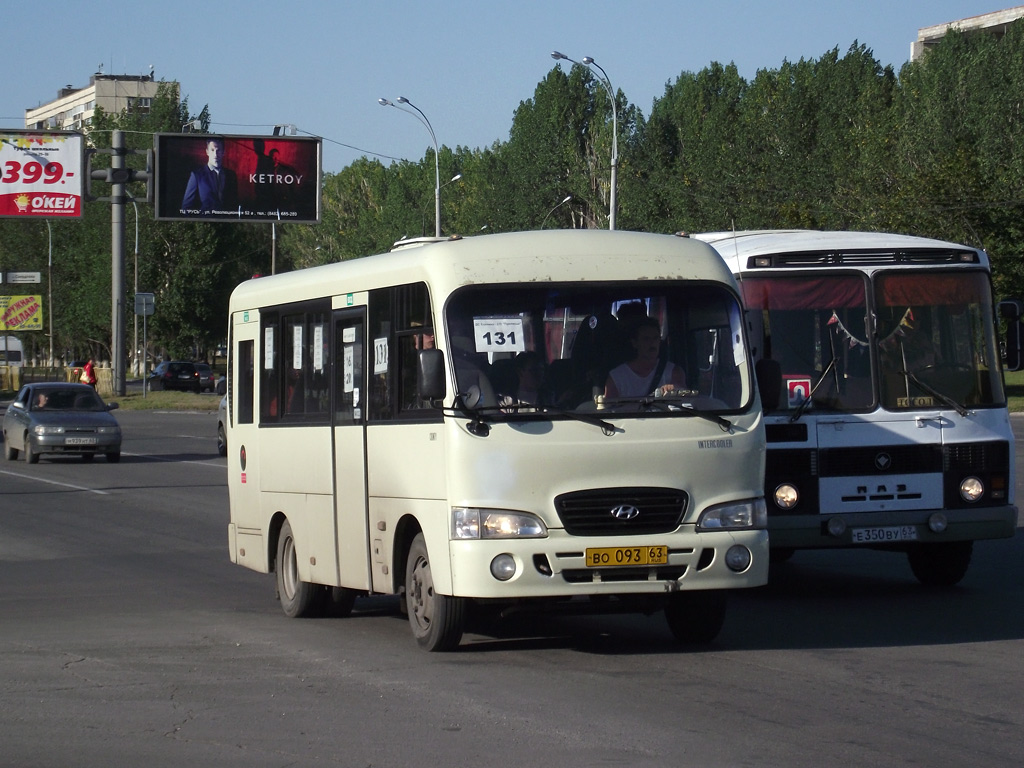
x=475 y=523
x=972 y=489
x=786 y=496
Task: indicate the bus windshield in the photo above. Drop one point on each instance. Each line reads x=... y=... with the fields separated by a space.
x=643 y=347
x=936 y=340
x=927 y=341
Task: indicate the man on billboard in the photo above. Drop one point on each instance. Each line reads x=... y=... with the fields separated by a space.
x=212 y=187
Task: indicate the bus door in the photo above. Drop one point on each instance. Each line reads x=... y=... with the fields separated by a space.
x=242 y=445
x=349 y=434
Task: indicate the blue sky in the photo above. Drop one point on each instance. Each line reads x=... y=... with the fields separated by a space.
x=322 y=65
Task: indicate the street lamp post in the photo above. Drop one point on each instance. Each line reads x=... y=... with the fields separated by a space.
x=49 y=285
x=588 y=61
x=565 y=200
x=418 y=114
x=135 y=342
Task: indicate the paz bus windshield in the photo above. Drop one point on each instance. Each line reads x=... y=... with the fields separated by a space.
x=904 y=340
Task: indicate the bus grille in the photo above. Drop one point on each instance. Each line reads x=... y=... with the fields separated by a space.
x=610 y=511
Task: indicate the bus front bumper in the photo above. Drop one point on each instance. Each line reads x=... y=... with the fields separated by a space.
x=891 y=529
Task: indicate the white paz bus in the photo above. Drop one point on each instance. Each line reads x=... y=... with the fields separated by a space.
x=433 y=422
x=887 y=423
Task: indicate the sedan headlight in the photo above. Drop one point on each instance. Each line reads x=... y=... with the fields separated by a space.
x=751 y=513
x=475 y=523
x=48 y=429
x=108 y=430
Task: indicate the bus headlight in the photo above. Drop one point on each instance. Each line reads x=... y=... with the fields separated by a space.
x=751 y=513
x=475 y=523
x=971 y=489
x=786 y=496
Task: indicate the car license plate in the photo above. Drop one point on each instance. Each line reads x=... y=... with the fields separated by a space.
x=79 y=441
x=605 y=557
x=883 y=534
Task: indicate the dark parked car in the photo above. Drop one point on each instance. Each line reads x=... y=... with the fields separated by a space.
x=222 y=421
x=176 y=374
x=62 y=418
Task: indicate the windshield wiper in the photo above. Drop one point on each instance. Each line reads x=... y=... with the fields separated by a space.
x=674 y=404
x=927 y=389
x=805 y=404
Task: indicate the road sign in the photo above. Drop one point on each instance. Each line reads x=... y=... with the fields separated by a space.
x=144 y=304
x=23 y=277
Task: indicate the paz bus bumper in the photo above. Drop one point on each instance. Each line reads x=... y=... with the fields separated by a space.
x=895 y=529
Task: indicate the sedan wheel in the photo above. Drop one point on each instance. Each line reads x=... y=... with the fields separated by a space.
x=9 y=453
x=31 y=457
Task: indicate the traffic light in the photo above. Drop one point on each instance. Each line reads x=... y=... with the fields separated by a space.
x=119 y=175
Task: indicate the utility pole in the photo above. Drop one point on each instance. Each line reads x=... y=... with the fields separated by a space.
x=118 y=176
x=117 y=200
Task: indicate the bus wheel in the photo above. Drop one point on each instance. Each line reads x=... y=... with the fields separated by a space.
x=940 y=565
x=299 y=598
x=696 y=618
x=437 y=620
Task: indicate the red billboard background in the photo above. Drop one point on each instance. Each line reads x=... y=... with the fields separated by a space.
x=268 y=178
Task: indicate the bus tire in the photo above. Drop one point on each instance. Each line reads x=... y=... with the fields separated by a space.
x=696 y=618
x=437 y=620
x=299 y=599
x=940 y=565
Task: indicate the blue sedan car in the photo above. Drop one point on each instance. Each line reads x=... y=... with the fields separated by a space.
x=60 y=418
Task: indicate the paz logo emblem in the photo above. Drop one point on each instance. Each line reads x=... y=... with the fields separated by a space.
x=883 y=461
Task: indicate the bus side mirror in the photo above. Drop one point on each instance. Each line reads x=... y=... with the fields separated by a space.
x=430 y=374
x=769 y=382
x=1012 y=313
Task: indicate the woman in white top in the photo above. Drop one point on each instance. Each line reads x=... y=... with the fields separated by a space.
x=636 y=378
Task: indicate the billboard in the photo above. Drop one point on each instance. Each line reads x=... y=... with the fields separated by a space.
x=41 y=174
x=21 y=313
x=211 y=177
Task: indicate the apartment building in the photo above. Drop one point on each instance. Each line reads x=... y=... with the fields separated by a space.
x=74 y=108
x=994 y=23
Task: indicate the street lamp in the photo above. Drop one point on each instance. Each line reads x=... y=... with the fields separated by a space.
x=566 y=200
x=49 y=285
x=588 y=61
x=418 y=114
x=135 y=347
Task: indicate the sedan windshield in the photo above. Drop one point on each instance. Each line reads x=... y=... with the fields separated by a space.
x=65 y=399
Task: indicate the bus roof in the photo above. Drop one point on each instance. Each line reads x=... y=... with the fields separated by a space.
x=559 y=255
x=860 y=248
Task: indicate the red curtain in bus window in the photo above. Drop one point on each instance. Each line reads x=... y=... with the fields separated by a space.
x=921 y=289
x=833 y=292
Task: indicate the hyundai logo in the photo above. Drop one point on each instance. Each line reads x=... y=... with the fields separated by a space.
x=883 y=461
x=624 y=512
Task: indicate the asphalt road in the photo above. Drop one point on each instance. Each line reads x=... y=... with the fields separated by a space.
x=127 y=638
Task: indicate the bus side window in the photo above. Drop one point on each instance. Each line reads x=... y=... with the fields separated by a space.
x=244 y=364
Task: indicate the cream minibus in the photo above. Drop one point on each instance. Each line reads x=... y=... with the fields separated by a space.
x=886 y=415
x=434 y=423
